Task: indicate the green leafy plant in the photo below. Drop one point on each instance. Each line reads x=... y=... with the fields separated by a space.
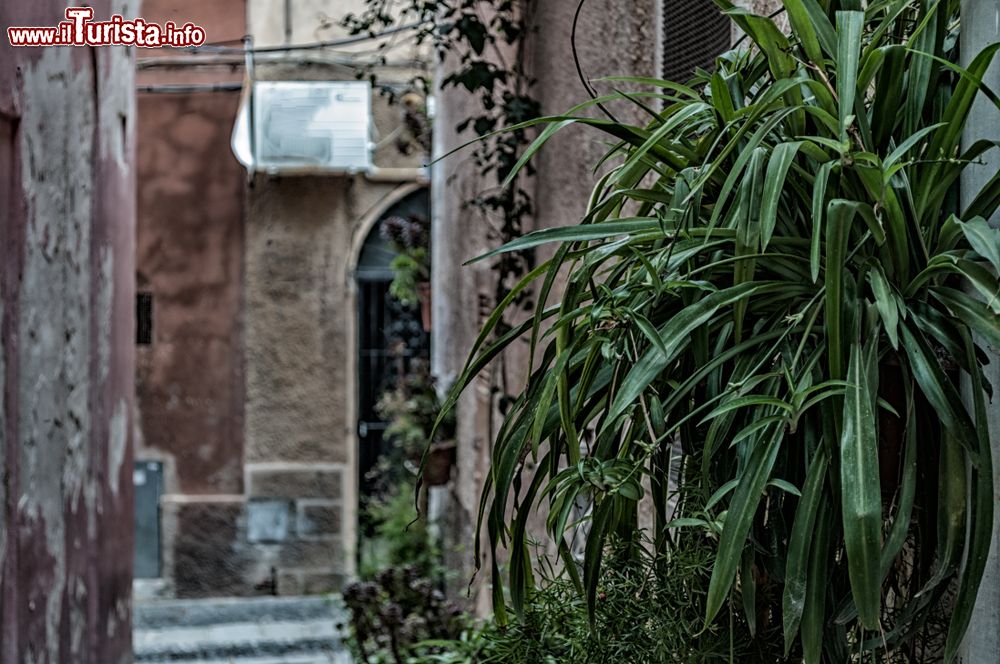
x=398 y=537
x=411 y=267
x=410 y=410
x=772 y=301
x=640 y=616
x=397 y=610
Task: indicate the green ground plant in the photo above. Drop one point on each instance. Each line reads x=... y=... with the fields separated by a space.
x=773 y=300
x=641 y=616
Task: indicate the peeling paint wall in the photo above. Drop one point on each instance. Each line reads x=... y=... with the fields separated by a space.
x=66 y=297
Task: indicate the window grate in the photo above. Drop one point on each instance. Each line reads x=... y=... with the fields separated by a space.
x=694 y=34
x=143 y=318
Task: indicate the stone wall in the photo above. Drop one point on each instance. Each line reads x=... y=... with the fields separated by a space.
x=302 y=239
x=612 y=39
x=66 y=363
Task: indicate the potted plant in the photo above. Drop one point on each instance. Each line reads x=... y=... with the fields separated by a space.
x=410 y=237
x=774 y=292
x=410 y=410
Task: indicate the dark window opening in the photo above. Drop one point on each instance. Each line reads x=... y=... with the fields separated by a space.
x=391 y=342
x=695 y=32
x=144 y=318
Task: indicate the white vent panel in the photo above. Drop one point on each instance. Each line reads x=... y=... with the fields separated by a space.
x=312 y=126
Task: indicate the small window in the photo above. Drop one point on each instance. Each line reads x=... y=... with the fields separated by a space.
x=695 y=32
x=143 y=318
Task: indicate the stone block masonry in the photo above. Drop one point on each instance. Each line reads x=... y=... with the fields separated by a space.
x=283 y=536
x=294 y=480
x=309 y=557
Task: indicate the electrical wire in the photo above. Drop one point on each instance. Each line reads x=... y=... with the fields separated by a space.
x=579 y=67
x=344 y=41
x=773 y=14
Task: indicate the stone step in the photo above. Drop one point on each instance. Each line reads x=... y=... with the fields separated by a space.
x=286 y=630
x=303 y=658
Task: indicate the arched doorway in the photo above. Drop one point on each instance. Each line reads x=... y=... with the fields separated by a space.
x=390 y=339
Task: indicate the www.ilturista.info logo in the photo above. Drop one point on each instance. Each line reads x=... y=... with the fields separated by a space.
x=79 y=30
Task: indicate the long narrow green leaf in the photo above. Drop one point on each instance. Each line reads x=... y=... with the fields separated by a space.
x=805 y=29
x=777 y=168
x=840 y=215
x=920 y=72
x=983 y=238
x=939 y=390
x=981 y=523
x=980 y=319
x=886 y=304
x=849 y=26
x=860 y=492
x=580 y=233
x=797 y=560
x=907 y=490
x=818 y=208
x=814 y=609
x=594 y=551
x=742 y=509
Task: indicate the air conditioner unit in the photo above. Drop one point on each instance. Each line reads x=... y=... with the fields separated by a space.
x=310 y=127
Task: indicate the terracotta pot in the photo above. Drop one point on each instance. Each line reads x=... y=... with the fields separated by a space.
x=424 y=293
x=440 y=459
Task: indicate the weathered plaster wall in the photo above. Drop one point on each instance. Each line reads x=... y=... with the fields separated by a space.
x=980 y=28
x=66 y=305
x=189 y=380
